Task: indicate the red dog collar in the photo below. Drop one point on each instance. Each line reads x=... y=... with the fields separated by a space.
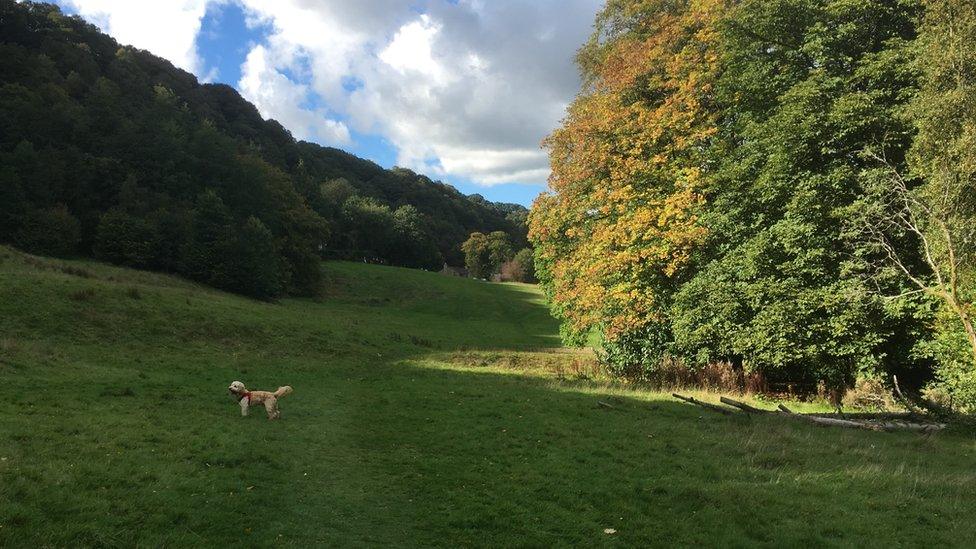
x=245 y=394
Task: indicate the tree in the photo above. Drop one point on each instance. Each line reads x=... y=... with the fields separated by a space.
x=521 y=268
x=209 y=249
x=704 y=180
x=476 y=259
x=806 y=88
x=485 y=254
x=499 y=250
x=924 y=221
x=125 y=240
x=369 y=226
x=255 y=264
x=621 y=224
x=414 y=246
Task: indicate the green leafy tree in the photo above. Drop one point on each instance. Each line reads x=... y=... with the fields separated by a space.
x=255 y=266
x=476 y=258
x=369 y=226
x=414 y=245
x=924 y=221
x=499 y=250
x=208 y=250
x=807 y=88
x=485 y=254
x=126 y=240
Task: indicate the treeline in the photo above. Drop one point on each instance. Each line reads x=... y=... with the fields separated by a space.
x=109 y=151
x=492 y=256
x=785 y=185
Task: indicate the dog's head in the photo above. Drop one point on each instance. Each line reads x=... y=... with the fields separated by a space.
x=237 y=388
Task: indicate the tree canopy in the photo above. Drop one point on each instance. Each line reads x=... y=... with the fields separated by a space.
x=714 y=182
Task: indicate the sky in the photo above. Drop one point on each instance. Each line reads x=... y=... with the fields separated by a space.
x=460 y=90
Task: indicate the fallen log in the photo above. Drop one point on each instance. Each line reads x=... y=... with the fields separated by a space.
x=697 y=402
x=869 y=425
x=870 y=416
x=743 y=406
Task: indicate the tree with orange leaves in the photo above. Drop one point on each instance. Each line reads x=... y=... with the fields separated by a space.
x=621 y=223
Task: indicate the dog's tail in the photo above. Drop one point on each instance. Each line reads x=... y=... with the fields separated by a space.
x=283 y=391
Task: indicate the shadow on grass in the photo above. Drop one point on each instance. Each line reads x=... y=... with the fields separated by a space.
x=379 y=448
x=497 y=459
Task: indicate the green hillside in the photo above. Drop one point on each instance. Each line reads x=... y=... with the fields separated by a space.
x=110 y=152
x=426 y=412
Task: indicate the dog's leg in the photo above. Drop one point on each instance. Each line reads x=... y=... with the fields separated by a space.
x=271 y=405
x=245 y=404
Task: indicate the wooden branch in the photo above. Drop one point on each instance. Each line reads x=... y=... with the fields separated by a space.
x=606 y=405
x=868 y=425
x=828 y=421
x=905 y=426
x=743 y=406
x=693 y=400
x=901 y=397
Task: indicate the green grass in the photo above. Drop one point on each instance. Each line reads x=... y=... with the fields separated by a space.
x=427 y=412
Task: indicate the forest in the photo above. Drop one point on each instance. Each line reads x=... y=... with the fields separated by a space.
x=786 y=186
x=110 y=152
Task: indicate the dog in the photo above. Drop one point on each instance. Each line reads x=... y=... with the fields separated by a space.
x=253 y=398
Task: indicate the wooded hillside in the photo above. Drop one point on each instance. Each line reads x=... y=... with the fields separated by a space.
x=109 y=151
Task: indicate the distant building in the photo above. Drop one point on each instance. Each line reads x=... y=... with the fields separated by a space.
x=454 y=271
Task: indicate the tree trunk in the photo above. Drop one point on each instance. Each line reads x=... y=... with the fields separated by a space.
x=970 y=333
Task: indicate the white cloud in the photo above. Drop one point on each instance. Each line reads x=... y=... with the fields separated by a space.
x=466 y=88
x=410 y=50
x=168 y=28
x=278 y=97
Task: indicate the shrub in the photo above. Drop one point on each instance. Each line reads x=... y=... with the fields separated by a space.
x=87 y=294
x=868 y=394
x=52 y=231
x=955 y=375
x=520 y=268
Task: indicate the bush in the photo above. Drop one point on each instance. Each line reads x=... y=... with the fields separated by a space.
x=870 y=395
x=52 y=231
x=521 y=268
x=955 y=375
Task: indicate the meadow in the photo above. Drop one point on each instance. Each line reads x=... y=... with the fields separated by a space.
x=428 y=411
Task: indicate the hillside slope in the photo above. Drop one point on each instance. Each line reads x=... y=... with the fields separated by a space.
x=89 y=127
x=418 y=419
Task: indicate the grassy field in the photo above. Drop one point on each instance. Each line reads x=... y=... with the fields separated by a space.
x=428 y=411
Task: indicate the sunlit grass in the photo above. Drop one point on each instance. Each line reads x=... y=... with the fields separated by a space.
x=428 y=411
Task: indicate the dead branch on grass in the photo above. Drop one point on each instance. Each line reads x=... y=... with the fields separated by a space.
x=879 y=422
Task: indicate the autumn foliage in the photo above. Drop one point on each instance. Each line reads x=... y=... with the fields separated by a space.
x=620 y=224
x=713 y=182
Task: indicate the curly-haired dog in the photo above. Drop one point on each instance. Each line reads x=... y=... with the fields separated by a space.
x=253 y=398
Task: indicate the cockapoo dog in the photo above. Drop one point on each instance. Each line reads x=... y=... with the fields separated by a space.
x=253 y=398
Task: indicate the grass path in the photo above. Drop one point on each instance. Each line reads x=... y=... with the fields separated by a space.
x=419 y=418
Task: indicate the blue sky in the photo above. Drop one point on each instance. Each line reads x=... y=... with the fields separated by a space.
x=460 y=90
